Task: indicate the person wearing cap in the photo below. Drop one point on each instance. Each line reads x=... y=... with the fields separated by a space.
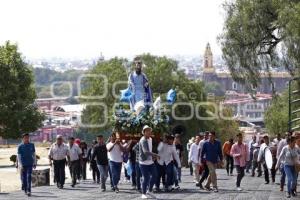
x=146 y=162
x=26 y=162
x=57 y=157
x=240 y=154
x=74 y=158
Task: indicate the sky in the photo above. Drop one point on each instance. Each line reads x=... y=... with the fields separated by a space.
x=85 y=28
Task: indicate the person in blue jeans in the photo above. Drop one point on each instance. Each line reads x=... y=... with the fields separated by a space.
x=26 y=162
x=288 y=157
x=146 y=162
x=115 y=149
x=136 y=172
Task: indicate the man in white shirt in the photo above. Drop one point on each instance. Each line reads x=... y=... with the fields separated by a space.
x=261 y=155
x=168 y=154
x=74 y=159
x=146 y=157
x=194 y=158
x=58 y=153
x=115 y=155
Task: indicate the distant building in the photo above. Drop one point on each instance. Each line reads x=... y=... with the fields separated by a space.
x=210 y=74
x=246 y=108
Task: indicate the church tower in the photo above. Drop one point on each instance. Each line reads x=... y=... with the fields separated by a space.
x=208 y=59
x=209 y=73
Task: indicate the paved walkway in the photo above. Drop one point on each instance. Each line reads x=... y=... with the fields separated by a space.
x=254 y=189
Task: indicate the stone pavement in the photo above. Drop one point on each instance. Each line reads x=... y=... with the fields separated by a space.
x=254 y=189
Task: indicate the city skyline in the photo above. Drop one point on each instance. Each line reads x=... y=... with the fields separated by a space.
x=84 y=29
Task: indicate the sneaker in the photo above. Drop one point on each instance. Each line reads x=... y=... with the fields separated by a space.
x=29 y=194
x=144 y=196
x=216 y=190
x=288 y=195
x=103 y=190
x=294 y=193
x=116 y=189
x=201 y=186
x=177 y=187
x=207 y=188
x=239 y=189
x=197 y=184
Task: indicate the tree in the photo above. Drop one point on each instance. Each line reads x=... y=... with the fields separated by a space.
x=215 y=88
x=114 y=71
x=18 y=114
x=276 y=116
x=261 y=35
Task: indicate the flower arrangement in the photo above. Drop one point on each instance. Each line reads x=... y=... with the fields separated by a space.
x=129 y=122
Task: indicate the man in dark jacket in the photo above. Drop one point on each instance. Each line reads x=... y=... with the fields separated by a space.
x=100 y=152
x=212 y=155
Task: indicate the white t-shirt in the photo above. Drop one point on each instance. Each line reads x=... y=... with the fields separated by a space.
x=115 y=154
x=148 y=162
x=74 y=152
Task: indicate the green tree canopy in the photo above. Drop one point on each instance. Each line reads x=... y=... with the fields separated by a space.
x=276 y=116
x=18 y=114
x=261 y=35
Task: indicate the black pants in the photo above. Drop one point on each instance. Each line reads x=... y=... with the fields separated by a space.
x=75 y=170
x=229 y=164
x=240 y=174
x=59 y=171
x=83 y=169
x=266 y=172
x=161 y=171
x=249 y=163
x=273 y=170
x=205 y=173
x=95 y=171
x=256 y=165
x=191 y=169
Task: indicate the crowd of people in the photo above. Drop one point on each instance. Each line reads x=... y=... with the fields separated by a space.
x=153 y=167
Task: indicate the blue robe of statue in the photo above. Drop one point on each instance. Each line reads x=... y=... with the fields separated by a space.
x=140 y=88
